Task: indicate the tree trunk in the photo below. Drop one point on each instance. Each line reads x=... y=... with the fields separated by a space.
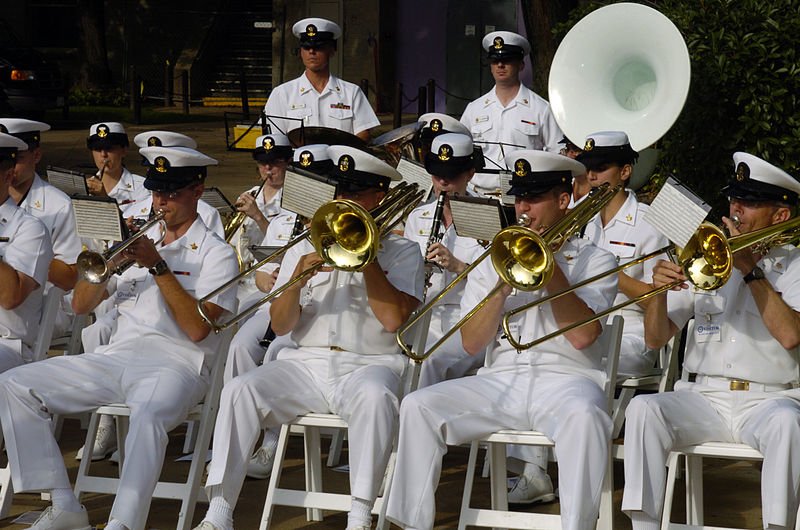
x=95 y=72
x=540 y=17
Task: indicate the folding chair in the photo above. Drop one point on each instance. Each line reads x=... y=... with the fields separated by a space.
x=499 y=516
x=189 y=491
x=50 y=305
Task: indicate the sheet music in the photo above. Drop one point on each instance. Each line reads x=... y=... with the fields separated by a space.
x=304 y=193
x=70 y=182
x=505 y=185
x=98 y=218
x=414 y=173
x=476 y=218
x=217 y=199
x=262 y=251
x=676 y=212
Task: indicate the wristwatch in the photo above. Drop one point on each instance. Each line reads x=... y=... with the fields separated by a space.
x=755 y=274
x=159 y=268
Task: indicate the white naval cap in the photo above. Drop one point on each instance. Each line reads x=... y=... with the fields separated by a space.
x=173 y=168
x=537 y=171
x=9 y=145
x=758 y=180
x=314 y=32
x=437 y=123
x=356 y=170
x=164 y=139
x=29 y=131
x=270 y=147
x=506 y=45
x=451 y=154
x=107 y=134
x=605 y=147
x=313 y=158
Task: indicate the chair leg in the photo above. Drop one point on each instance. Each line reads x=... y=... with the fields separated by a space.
x=6 y=488
x=694 y=490
x=606 y=516
x=335 y=451
x=466 y=498
x=122 y=423
x=313 y=467
x=83 y=467
x=275 y=477
x=672 y=467
x=498 y=476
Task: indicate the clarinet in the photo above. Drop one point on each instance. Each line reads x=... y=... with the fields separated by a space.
x=434 y=237
x=269 y=335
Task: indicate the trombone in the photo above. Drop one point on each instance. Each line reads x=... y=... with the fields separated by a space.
x=96 y=267
x=343 y=233
x=522 y=259
x=707 y=261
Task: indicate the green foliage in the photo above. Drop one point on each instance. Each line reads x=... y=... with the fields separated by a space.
x=112 y=97
x=744 y=90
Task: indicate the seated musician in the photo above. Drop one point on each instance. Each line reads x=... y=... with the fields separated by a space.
x=556 y=388
x=434 y=124
x=620 y=228
x=157 y=361
x=346 y=361
x=451 y=163
x=25 y=254
x=741 y=359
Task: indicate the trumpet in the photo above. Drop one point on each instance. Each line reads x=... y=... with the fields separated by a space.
x=344 y=234
x=522 y=259
x=96 y=267
x=707 y=261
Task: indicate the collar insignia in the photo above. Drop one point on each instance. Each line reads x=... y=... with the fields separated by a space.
x=629 y=218
x=193 y=246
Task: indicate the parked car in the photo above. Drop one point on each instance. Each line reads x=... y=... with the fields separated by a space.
x=29 y=83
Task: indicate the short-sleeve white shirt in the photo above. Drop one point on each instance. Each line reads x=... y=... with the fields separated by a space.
x=29 y=251
x=128 y=193
x=730 y=338
x=54 y=208
x=341 y=105
x=201 y=261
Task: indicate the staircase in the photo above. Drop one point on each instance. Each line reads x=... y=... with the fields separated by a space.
x=243 y=48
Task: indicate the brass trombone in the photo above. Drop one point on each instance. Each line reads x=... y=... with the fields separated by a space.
x=344 y=234
x=522 y=259
x=707 y=261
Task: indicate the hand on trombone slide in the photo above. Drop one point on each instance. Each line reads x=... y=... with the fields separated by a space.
x=309 y=261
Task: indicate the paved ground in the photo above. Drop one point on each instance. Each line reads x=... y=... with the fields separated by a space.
x=732 y=489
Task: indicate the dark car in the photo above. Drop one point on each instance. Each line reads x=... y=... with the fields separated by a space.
x=29 y=84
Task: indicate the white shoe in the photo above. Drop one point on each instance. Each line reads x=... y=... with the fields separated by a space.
x=205 y=525
x=531 y=490
x=105 y=443
x=260 y=464
x=55 y=519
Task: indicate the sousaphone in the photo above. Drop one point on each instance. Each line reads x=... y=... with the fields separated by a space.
x=624 y=67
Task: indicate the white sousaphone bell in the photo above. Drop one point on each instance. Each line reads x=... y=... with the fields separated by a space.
x=623 y=67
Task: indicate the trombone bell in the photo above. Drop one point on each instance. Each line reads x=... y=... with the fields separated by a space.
x=345 y=235
x=521 y=258
x=707 y=259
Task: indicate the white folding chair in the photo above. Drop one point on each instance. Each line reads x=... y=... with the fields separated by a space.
x=188 y=492
x=499 y=516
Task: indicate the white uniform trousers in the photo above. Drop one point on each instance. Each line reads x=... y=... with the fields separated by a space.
x=569 y=409
x=277 y=392
x=450 y=360
x=768 y=422
x=159 y=390
x=245 y=353
x=635 y=360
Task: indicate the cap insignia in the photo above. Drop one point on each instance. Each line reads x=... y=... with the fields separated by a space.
x=306 y=158
x=3 y=129
x=161 y=164
x=102 y=130
x=445 y=152
x=268 y=143
x=522 y=167
x=436 y=125
x=498 y=43
x=346 y=163
x=589 y=145
x=13 y=155
x=742 y=172
x=154 y=141
x=311 y=30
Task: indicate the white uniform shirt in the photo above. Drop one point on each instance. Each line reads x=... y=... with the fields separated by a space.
x=341 y=105
x=29 y=251
x=54 y=208
x=526 y=122
x=628 y=236
x=207 y=213
x=279 y=233
x=579 y=259
x=418 y=229
x=128 y=192
x=201 y=261
x=335 y=310
x=730 y=338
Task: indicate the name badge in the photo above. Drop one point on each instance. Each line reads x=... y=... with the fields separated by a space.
x=481 y=119
x=708 y=332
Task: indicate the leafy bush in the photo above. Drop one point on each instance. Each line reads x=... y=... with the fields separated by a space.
x=744 y=88
x=90 y=97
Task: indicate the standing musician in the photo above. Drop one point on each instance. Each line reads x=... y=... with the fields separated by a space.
x=557 y=388
x=346 y=360
x=157 y=363
x=44 y=201
x=451 y=163
x=620 y=228
x=741 y=359
x=317 y=97
x=510 y=114
x=25 y=254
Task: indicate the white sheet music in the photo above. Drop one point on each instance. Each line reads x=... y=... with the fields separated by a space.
x=676 y=212
x=217 y=199
x=303 y=195
x=97 y=219
x=414 y=173
x=476 y=220
x=505 y=185
x=70 y=182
